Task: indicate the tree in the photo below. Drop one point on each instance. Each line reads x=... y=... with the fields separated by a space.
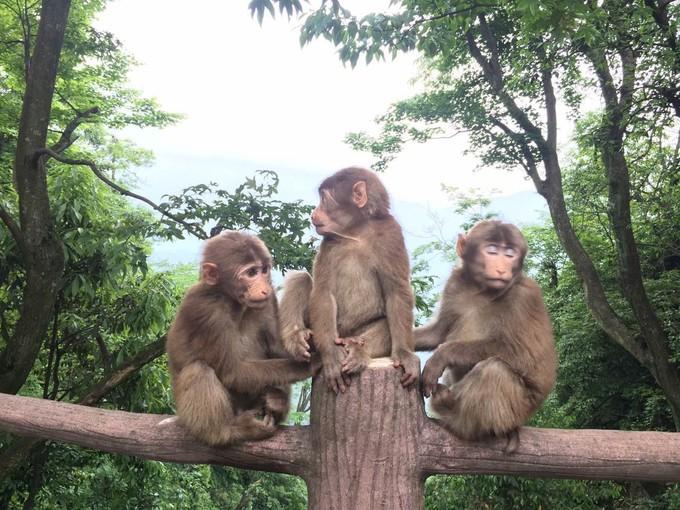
x=31 y=64
x=82 y=317
x=600 y=385
x=500 y=70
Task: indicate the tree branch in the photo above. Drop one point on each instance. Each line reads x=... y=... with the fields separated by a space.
x=13 y=228
x=529 y=162
x=192 y=229
x=494 y=76
x=123 y=372
x=450 y=14
x=145 y=436
x=65 y=138
x=557 y=453
x=542 y=453
x=11 y=456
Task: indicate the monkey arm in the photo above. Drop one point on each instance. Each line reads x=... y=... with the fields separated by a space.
x=323 y=311
x=459 y=354
x=293 y=311
x=253 y=376
x=394 y=280
x=427 y=338
x=469 y=353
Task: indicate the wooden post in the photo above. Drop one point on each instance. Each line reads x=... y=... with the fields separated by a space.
x=365 y=443
x=371 y=447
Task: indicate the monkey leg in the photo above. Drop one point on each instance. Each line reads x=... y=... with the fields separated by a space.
x=277 y=402
x=204 y=407
x=490 y=400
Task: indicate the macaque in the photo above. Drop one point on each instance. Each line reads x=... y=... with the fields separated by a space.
x=230 y=374
x=359 y=303
x=493 y=337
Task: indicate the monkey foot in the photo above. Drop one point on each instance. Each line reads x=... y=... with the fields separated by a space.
x=356 y=360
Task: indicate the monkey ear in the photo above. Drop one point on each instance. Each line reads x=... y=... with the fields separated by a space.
x=209 y=273
x=460 y=244
x=359 y=195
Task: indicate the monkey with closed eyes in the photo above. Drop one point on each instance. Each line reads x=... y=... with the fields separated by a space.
x=492 y=339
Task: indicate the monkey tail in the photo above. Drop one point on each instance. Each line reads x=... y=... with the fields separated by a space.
x=490 y=400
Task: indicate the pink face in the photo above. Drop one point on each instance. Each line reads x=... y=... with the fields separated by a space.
x=499 y=262
x=254 y=278
x=325 y=216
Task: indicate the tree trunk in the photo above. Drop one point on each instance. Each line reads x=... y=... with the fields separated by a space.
x=370 y=447
x=43 y=253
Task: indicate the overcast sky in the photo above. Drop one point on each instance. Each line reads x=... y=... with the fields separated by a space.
x=253 y=99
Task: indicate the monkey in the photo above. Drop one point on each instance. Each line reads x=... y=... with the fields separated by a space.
x=229 y=371
x=492 y=338
x=358 y=304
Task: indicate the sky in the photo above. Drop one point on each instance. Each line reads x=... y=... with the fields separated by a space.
x=252 y=99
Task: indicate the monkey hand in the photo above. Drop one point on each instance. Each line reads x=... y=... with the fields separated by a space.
x=431 y=374
x=410 y=365
x=332 y=370
x=297 y=342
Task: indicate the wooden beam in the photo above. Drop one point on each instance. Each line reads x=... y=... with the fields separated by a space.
x=367 y=427
x=146 y=436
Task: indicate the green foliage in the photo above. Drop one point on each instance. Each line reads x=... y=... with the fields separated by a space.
x=112 y=305
x=505 y=492
x=281 y=225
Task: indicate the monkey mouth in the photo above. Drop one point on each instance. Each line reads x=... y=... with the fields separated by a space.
x=258 y=303
x=497 y=282
x=321 y=229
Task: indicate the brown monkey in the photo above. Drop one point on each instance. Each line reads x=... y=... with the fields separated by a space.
x=359 y=305
x=224 y=350
x=494 y=337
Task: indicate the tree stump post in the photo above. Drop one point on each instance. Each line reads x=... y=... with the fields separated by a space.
x=364 y=443
x=370 y=447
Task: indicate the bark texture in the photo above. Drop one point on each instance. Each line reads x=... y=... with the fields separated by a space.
x=365 y=442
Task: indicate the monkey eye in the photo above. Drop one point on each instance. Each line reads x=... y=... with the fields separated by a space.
x=265 y=269
x=510 y=252
x=252 y=271
x=491 y=249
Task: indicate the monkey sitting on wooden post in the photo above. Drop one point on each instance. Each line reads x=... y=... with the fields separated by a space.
x=493 y=339
x=359 y=304
x=230 y=373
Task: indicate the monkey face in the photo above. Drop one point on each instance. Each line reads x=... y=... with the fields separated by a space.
x=329 y=217
x=498 y=262
x=254 y=284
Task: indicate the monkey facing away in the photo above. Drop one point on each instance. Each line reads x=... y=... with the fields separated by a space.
x=229 y=372
x=493 y=337
x=359 y=303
